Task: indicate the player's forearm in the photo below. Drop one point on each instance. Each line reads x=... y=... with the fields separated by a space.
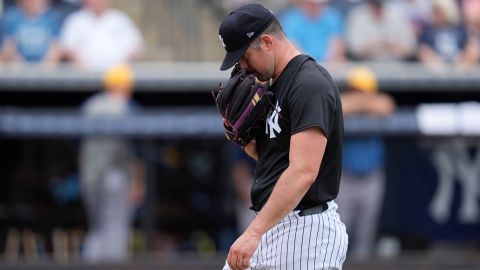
x=374 y=104
x=289 y=190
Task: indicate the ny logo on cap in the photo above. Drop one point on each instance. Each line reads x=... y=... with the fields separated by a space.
x=221 y=41
x=250 y=34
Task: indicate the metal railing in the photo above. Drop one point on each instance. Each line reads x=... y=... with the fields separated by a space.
x=202 y=76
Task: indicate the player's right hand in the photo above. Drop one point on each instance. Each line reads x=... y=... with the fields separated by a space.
x=242 y=250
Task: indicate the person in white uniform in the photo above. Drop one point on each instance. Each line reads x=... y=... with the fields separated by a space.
x=98 y=37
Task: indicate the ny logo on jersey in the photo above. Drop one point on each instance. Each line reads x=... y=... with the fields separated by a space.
x=272 y=125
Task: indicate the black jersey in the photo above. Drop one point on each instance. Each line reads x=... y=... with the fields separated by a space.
x=306 y=96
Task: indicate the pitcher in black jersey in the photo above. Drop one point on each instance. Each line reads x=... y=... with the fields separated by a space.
x=298 y=153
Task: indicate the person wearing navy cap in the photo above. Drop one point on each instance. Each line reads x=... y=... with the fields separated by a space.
x=298 y=152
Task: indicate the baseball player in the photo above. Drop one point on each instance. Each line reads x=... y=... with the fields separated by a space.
x=298 y=151
x=111 y=172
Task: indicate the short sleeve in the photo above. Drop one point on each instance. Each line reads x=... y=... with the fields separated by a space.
x=69 y=32
x=132 y=36
x=9 y=21
x=56 y=23
x=312 y=103
x=336 y=23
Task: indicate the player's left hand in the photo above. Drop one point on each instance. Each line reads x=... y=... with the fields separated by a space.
x=242 y=250
x=251 y=149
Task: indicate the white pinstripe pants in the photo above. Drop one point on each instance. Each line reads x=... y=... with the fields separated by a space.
x=313 y=242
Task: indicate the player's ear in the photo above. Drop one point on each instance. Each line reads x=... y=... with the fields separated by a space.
x=266 y=40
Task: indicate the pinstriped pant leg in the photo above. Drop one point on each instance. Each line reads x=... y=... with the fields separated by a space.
x=313 y=242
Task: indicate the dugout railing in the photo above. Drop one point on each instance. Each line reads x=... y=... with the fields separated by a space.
x=202 y=76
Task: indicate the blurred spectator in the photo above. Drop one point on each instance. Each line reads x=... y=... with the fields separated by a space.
x=98 y=36
x=471 y=15
x=66 y=7
x=31 y=30
x=378 y=31
x=345 y=6
x=274 y=5
x=111 y=174
x=315 y=28
x=8 y=3
x=417 y=12
x=445 y=40
x=363 y=178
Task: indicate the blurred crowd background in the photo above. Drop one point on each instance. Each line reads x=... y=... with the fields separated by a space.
x=110 y=149
x=52 y=31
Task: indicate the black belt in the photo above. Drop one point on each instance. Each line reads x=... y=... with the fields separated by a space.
x=313 y=210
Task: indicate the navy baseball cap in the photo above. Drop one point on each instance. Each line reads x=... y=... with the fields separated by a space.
x=240 y=28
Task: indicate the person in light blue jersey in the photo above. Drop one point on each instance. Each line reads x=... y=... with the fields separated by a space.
x=30 y=32
x=316 y=28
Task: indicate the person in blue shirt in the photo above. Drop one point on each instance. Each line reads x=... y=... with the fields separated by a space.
x=30 y=32
x=445 y=40
x=362 y=186
x=316 y=28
